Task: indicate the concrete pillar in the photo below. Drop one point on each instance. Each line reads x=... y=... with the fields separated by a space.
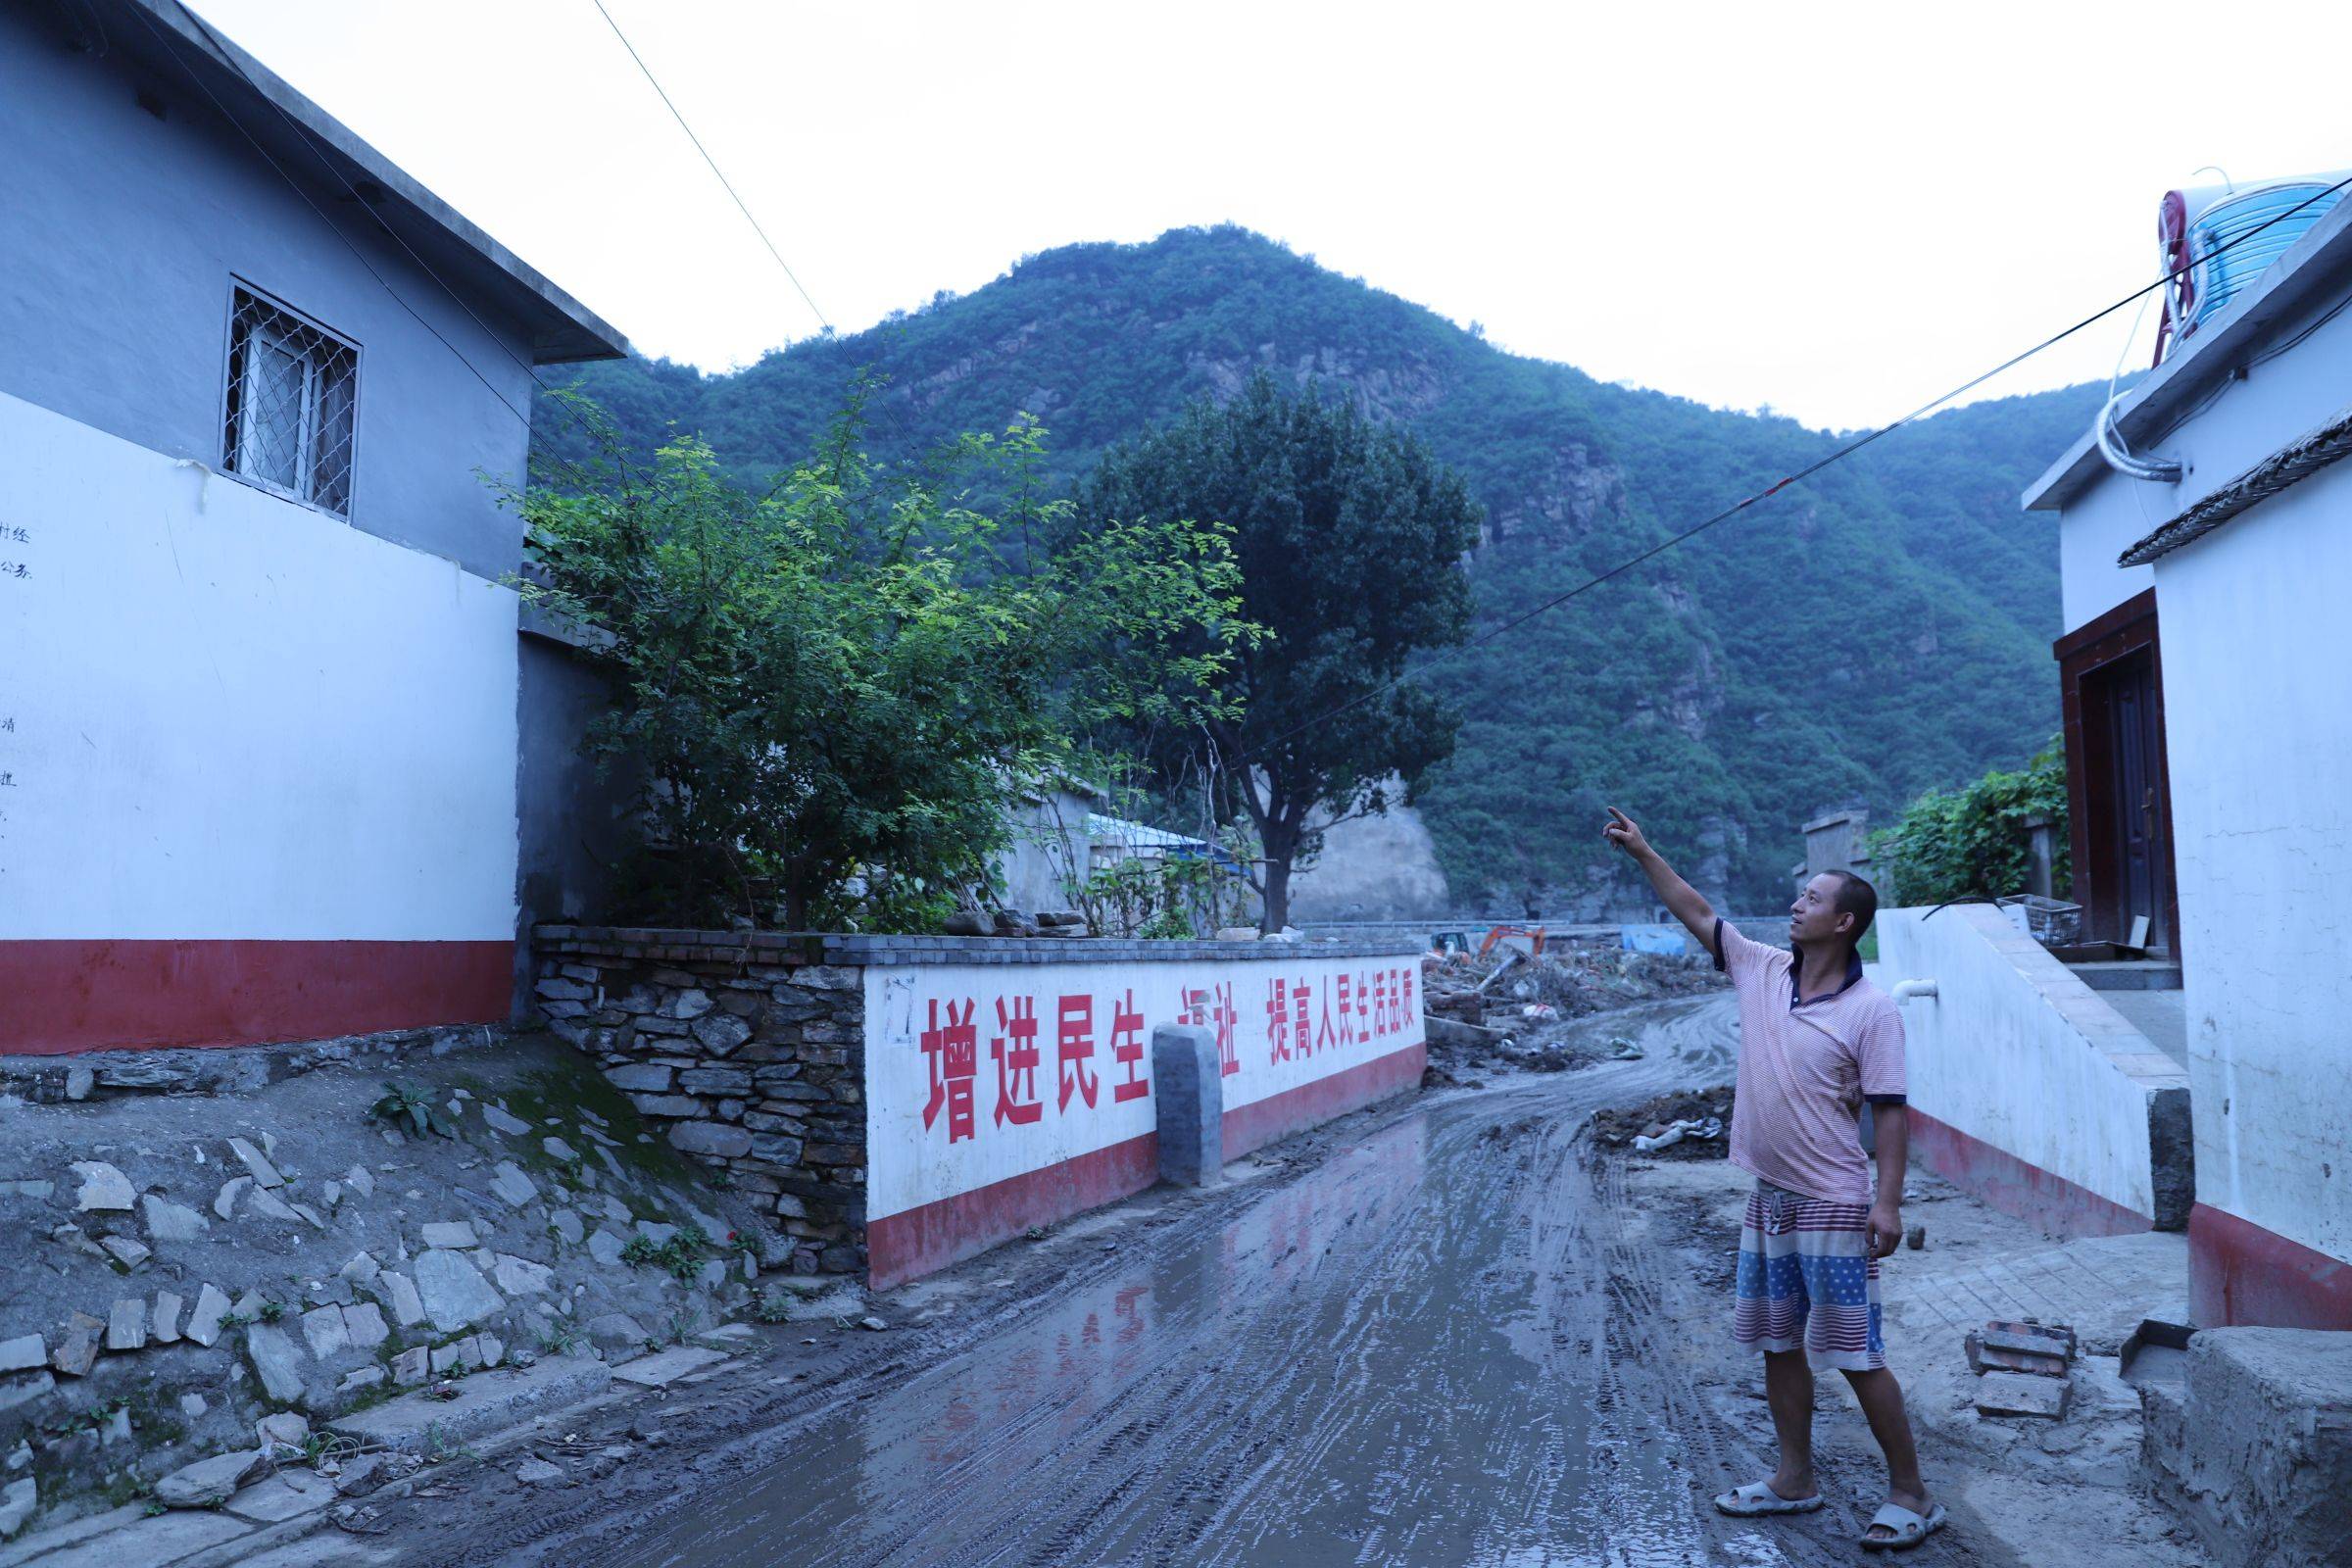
x=2041 y=854
x=1189 y=1088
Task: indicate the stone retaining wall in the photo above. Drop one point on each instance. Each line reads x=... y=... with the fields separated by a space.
x=752 y=1053
x=752 y=1050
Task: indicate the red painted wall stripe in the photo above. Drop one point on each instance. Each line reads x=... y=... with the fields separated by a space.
x=2016 y=1188
x=919 y=1240
x=59 y=996
x=2240 y=1274
x=1260 y=1122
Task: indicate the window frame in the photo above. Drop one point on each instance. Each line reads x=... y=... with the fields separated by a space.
x=306 y=448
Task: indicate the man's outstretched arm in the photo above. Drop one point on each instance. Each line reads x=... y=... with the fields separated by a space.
x=1694 y=911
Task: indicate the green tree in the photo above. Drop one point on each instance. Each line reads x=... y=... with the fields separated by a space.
x=1905 y=577
x=1972 y=842
x=835 y=681
x=1349 y=536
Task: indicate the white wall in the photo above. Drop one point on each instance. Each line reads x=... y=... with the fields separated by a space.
x=2278 y=400
x=2017 y=1053
x=2258 y=716
x=224 y=716
x=914 y=1163
x=2106 y=520
x=1049 y=852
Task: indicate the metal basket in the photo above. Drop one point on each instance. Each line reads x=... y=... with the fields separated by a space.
x=2052 y=922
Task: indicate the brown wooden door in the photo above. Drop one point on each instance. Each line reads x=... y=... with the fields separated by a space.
x=2110 y=685
x=2138 y=857
x=2131 y=874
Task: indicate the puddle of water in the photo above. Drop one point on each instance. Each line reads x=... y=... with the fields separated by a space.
x=862 y=1476
x=1362 y=1367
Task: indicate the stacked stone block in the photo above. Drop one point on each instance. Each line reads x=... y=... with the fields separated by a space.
x=745 y=1048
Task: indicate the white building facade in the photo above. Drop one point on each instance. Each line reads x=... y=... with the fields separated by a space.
x=2206 y=611
x=266 y=711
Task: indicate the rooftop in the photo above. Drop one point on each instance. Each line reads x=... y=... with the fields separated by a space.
x=171 y=45
x=2319 y=264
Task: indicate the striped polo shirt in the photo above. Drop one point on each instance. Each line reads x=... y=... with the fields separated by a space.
x=1805 y=1067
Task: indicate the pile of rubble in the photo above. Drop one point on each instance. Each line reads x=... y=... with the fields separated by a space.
x=1509 y=1009
x=1673 y=1126
x=2022 y=1368
x=1017 y=924
x=184 y=1266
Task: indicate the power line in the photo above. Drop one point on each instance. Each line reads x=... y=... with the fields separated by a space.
x=889 y=412
x=740 y=206
x=1806 y=473
x=228 y=56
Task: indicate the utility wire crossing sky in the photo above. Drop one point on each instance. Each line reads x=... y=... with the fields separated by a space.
x=2022 y=356
x=1819 y=211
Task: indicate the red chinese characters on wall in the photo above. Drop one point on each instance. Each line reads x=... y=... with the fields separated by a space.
x=1304 y=1015
x=1211 y=1006
x=1014 y=1049
x=1127 y=1049
x=1364 y=1007
x=953 y=1055
x=1074 y=1048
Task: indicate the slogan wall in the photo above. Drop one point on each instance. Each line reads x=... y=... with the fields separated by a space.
x=1005 y=1096
x=257 y=767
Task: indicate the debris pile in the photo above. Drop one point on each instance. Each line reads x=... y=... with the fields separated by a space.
x=2021 y=1368
x=1508 y=1009
x=1565 y=981
x=1673 y=1126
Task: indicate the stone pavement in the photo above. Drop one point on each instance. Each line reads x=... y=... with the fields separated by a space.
x=2102 y=1285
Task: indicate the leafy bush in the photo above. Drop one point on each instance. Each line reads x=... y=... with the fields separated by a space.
x=1972 y=842
x=837 y=680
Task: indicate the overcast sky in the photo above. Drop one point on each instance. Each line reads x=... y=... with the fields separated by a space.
x=1839 y=211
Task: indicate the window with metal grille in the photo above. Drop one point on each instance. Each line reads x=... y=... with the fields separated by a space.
x=293 y=388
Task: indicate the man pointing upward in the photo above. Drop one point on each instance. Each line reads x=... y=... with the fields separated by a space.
x=1816 y=1039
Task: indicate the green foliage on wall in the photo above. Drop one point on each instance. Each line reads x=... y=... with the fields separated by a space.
x=831 y=687
x=1971 y=842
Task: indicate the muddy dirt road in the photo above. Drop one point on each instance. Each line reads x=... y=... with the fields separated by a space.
x=1436 y=1342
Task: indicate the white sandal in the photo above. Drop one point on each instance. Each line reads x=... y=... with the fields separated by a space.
x=1909 y=1528
x=1757 y=1498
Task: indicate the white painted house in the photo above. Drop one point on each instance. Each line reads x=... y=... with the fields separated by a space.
x=2207 y=555
x=270 y=719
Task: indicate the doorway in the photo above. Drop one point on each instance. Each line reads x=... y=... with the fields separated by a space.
x=2111 y=684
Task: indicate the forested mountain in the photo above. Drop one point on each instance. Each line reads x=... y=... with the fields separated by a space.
x=1878 y=629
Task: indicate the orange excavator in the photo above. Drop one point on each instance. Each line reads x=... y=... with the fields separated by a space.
x=1533 y=933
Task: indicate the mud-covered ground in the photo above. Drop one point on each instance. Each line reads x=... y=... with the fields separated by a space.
x=1445 y=1331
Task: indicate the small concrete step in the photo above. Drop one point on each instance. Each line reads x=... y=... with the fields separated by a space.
x=487 y=1402
x=2129 y=974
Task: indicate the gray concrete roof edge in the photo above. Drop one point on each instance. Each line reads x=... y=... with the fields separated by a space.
x=2316 y=259
x=568 y=331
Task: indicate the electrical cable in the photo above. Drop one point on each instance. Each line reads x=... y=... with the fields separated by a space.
x=1245 y=756
x=729 y=184
x=228 y=56
x=906 y=435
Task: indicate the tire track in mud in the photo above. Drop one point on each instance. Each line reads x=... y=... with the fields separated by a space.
x=1440 y=1344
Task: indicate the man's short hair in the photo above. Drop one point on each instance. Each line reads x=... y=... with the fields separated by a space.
x=1858 y=899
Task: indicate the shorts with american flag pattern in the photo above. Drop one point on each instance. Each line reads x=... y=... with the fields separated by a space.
x=1806 y=1278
